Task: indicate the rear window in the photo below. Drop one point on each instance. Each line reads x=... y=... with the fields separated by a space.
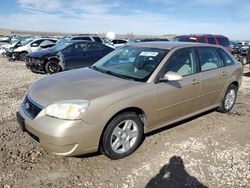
x=225 y=57
x=202 y=40
x=185 y=39
x=223 y=41
x=211 y=40
x=82 y=38
x=97 y=39
x=209 y=59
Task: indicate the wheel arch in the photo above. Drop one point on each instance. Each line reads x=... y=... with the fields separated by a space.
x=235 y=83
x=136 y=110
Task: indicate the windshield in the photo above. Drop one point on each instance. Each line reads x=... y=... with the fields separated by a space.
x=129 y=62
x=24 y=42
x=61 y=45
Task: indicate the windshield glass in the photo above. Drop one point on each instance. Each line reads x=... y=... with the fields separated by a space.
x=61 y=45
x=24 y=42
x=136 y=63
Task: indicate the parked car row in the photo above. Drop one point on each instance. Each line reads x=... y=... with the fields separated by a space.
x=49 y=55
x=241 y=50
x=210 y=39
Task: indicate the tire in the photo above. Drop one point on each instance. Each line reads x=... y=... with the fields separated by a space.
x=244 y=60
x=122 y=136
x=52 y=67
x=229 y=99
x=22 y=56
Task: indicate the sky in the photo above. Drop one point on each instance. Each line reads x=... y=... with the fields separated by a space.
x=152 y=17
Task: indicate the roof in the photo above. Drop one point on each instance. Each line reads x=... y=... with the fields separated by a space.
x=200 y=35
x=168 y=45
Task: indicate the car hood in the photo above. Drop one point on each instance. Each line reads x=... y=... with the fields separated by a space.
x=42 y=53
x=84 y=83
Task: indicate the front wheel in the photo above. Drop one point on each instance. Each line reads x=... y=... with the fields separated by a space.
x=52 y=67
x=229 y=99
x=122 y=136
x=22 y=56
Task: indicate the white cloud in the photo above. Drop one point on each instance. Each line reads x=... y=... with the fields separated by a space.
x=82 y=16
x=138 y=23
x=85 y=6
x=193 y=2
x=212 y=2
x=40 y=4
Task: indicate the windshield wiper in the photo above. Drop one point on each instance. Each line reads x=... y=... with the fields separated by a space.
x=111 y=73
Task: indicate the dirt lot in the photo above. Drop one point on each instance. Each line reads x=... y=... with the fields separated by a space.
x=212 y=150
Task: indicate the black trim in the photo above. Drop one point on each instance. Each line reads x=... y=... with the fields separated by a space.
x=31 y=108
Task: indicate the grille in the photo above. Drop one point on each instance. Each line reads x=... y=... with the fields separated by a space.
x=31 y=108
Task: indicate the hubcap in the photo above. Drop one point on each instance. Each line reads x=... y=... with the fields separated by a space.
x=124 y=136
x=52 y=68
x=230 y=98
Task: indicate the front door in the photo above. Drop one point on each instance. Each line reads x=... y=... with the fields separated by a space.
x=176 y=99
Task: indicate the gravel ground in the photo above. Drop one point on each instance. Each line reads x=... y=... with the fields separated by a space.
x=211 y=150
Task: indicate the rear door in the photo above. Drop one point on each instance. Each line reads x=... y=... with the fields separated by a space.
x=175 y=99
x=213 y=77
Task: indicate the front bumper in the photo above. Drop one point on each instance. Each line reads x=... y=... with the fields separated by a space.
x=61 y=137
x=34 y=65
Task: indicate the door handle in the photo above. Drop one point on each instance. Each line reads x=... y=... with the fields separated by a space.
x=196 y=81
x=224 y=73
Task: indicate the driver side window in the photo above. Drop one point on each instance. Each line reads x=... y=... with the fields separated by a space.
x=36 y=43
x=183 y=62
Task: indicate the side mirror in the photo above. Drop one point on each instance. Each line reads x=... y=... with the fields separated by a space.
x=171 y=76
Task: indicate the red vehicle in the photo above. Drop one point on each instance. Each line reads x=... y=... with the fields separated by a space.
x=211 y=39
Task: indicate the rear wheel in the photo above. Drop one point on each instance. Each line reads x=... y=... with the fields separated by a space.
x=229 y=99
x=52 y=67
x=22 y=56
x=122 y=136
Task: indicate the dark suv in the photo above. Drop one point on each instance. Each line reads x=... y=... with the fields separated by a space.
x=211 y=39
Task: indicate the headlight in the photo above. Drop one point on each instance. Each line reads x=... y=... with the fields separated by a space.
x=70 y=110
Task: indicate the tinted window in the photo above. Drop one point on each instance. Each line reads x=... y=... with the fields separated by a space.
x=223 y=41
x=93 y=46
x=97 y=39
x=182 y=62
x=119 y=41
x=209 y=59
x=226 y=59
x=37 y=43
x=211 y=40
x=78 y=47
x=202 y=40
x=185 y=39
x=82 y=38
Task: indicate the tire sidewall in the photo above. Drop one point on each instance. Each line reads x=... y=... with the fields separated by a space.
x=223 y=108
x=105 y=141
x=47 y=67
x=22 y=56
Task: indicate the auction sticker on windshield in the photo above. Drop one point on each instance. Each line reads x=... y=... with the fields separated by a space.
x=151 y=54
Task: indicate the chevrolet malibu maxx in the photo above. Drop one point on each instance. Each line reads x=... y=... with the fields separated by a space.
x=138 y=88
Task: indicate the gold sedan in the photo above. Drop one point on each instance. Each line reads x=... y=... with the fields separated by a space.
x=133 y=90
